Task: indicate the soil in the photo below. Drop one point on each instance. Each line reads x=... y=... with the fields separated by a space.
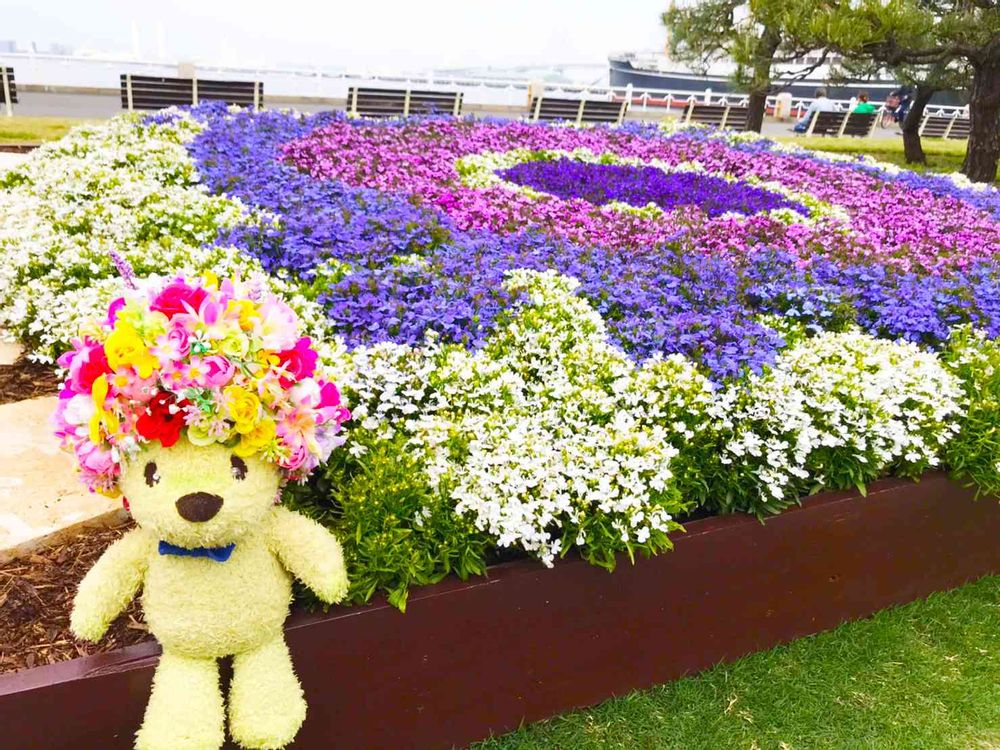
x=36 y=595
x=25 y=379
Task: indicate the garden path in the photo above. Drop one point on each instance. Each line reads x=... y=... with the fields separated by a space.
x=41 y=499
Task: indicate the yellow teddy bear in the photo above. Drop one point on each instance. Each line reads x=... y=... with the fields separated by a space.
x=229 y=596
x=198 y=400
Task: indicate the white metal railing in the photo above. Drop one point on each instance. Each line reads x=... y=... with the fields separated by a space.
x=317 y=83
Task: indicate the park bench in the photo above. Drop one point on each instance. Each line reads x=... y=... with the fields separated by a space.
x=577 y=111
x=157 y=92
x=729 y=116
x=857 y=124
x=365 y=102
x=8 y=89
x=941 y=126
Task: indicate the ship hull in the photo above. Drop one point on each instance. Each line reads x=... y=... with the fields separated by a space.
x=624 y=73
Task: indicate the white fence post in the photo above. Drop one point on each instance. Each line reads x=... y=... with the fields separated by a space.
x=6 y=92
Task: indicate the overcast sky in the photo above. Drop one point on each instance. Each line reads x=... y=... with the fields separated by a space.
x=383 y=33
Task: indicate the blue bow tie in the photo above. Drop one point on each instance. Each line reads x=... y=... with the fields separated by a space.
x=219 y=554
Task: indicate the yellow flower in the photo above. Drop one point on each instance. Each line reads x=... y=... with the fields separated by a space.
x=235 y=345
x=198 y=434
x=258 y=438
x=243 y=407
x=125 y=347
x=210 y=279
x=245 y=310
x=99 y=393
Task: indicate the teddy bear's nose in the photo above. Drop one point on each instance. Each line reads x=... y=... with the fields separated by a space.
x=198 y=506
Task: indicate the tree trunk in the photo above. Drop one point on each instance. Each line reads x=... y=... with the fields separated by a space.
x=913 y=151
x=983 y=151
x=757 y=108
x=760 y=84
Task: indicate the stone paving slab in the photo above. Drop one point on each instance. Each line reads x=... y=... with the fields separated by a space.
x=41 y=500
x=9 y=352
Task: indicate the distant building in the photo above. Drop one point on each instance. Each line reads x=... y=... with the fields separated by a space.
x=8 y=45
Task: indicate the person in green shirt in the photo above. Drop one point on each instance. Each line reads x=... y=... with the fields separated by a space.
x=864 y=107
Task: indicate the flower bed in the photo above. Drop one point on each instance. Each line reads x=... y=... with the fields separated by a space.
x=551 y=339
x=528 y=642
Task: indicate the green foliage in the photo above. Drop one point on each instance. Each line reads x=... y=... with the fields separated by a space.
x=396 y=531
x=974 y=454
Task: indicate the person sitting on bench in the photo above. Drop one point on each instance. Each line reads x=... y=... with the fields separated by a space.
x=820 y=104
x=864 y=107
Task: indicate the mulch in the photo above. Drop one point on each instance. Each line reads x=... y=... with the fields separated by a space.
x=25 y=379
x=36 y=595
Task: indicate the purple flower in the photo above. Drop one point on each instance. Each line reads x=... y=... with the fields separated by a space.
x=639 y=186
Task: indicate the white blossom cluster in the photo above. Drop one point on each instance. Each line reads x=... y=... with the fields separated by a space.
x=548 y=436
x=839 y=409
x=127 y=186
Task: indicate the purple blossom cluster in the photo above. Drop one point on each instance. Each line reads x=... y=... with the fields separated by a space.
x=405 y=266
x=639 y=186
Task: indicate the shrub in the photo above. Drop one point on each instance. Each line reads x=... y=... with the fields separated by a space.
x=974 y=453
x=836 y=411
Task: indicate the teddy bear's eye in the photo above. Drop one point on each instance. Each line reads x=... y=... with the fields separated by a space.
x=239 y=467
x=152 y=475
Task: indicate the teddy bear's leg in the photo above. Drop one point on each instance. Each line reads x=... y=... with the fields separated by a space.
x=185 y=709
x=266 y=705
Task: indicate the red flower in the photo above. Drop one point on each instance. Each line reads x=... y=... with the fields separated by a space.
x=163 y=419
x=299 y=363
x=177 y=297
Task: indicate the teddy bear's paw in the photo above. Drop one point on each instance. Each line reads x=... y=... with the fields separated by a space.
x=176 y=737
x=185 y=709
x=86 y=628
x=266 y=705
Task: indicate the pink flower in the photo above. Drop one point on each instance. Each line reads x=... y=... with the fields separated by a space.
x=178 y=298
x=85 y=363
x=329 y=408
x=297 y=456
x=172 y=346
x=126 y=383
x=113 y=309
x=218 y=371
x=277 y=325
x=298 y=363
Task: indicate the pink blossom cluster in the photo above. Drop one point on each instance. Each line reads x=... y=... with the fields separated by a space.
x=889 y=223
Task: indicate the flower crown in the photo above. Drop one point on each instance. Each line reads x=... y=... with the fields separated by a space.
x=222 y=361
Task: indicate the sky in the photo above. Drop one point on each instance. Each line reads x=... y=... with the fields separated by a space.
x=374 y=34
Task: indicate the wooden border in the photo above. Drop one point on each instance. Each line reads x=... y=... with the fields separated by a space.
x=480 y=657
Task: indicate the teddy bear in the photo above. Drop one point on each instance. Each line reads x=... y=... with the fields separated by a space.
x=196 y=400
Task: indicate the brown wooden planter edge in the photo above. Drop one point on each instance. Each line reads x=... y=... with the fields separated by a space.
x=480 y=657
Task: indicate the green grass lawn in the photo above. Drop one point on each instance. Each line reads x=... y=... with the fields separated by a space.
x=35 y=129
x=919 y=677
x=942 y=155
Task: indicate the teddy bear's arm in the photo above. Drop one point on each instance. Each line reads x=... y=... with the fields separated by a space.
x=110 y=585
x=311 y=553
